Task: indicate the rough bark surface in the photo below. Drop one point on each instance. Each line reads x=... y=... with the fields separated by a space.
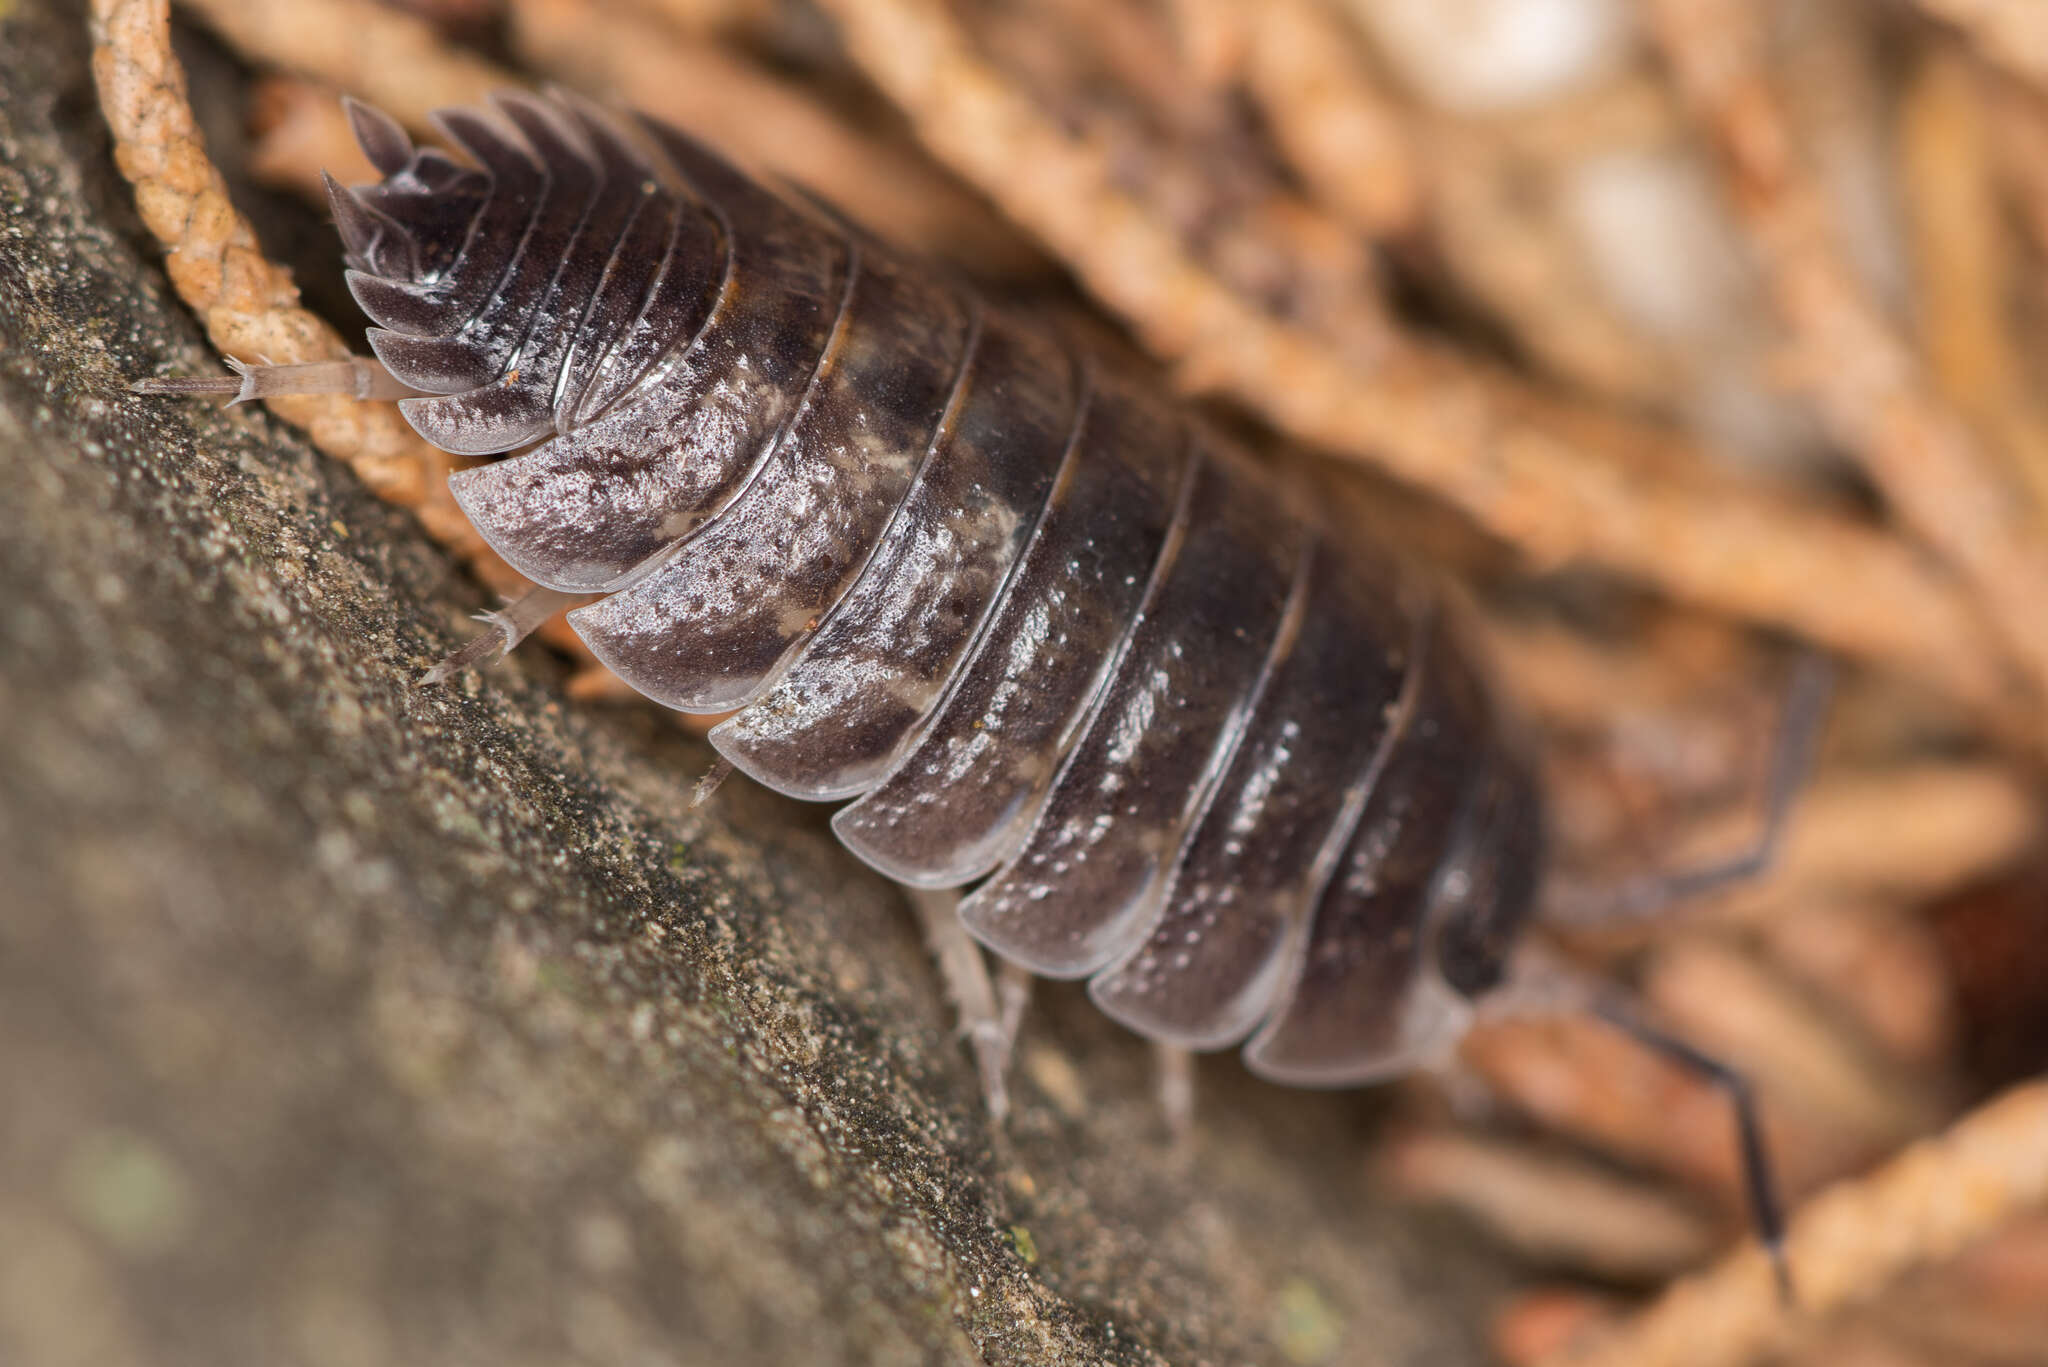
x=347 y=1022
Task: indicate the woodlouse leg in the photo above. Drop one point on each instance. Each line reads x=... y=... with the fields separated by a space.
x=1800 y=726
x=987 y=1022
x=1175 y=1081
x=1013 y=994
x=361 y=377
x=509 y=626
x=710 y=783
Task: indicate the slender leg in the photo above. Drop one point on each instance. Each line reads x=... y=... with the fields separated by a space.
x=360 y=377
x=710 y=783
x=1013 y=994
x=1175 y=1078
x=1800 y=725
x=509 y=626
x=965 y=972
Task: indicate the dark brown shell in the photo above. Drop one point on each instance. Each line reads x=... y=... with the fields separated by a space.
x=1047 y=631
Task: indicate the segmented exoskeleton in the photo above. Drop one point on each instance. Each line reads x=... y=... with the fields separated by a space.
x=1044 y=629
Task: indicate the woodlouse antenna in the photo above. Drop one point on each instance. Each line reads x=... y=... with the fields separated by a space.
x=1543 y=983
x=1758 y=1181
x=1801 y=723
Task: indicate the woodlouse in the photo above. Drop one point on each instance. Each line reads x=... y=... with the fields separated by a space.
x=1046 y=631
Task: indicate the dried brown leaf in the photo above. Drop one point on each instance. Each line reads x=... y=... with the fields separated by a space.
x=1560 y=483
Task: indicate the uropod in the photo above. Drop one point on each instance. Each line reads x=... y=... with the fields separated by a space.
x=1045 y=634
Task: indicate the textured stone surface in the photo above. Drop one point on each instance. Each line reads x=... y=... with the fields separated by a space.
x=344 y=1022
